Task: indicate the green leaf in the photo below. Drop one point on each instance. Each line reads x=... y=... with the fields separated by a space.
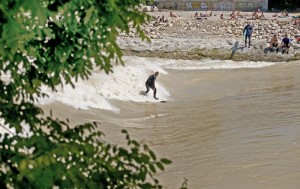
x=23 y=165
x=152 y=154
x=166 y=161
x=89 y=14
x=152 y=168
x=160 y=165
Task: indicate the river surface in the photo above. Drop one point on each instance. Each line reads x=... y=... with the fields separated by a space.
x=224 y=126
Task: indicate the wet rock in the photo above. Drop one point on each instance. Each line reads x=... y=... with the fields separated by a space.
x=149 y=9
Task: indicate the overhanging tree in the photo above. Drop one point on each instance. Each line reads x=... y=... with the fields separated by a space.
x=48 y=43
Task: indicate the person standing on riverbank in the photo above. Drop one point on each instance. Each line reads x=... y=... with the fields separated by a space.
x=248 y=30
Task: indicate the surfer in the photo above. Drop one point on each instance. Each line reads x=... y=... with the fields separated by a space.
x=248 y=33
x=150 y=83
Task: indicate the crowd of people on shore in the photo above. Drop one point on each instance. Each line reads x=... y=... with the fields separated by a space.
x=274 y=42
x=285 y=44
x=257 y=14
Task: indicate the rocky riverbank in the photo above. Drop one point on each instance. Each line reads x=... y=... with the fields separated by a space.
x=187 y=38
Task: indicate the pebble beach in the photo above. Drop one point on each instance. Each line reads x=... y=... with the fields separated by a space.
x=185 y=37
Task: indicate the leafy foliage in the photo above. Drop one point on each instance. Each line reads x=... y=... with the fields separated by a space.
x=72 y=158
x=48 y=43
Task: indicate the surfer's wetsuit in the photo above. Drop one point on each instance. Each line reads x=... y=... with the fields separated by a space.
x=248 y=29
x=150 y=83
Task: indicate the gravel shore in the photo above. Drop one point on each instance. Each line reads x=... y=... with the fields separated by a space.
x=185 y=37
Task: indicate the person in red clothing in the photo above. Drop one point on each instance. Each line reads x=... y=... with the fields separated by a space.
x=298 y=39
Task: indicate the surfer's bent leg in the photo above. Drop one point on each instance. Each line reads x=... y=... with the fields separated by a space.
x=148 y=88
x=154 y=92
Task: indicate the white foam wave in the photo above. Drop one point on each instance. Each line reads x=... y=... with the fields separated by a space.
x=127 y=81
x=83 y=96
x=213 y=64
x=124 y=84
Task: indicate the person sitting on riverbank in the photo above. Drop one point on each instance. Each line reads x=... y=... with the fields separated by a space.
x=262 y=15
x=204 y=14
x=238 y=14
x=296 y=21
x=196 y=15
x=255 y=15
x=258 y=10
x=233 y=15
x=222 y=16
x=298 y=39
x=274 y=43
x=162 y=19
x=158 y=19
x=286 y=44
x=284 y=14
x=173 y=15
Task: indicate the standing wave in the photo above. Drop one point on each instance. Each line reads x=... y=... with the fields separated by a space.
x=126 y=82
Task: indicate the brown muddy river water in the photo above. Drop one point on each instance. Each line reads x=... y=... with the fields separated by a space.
x=226 y=124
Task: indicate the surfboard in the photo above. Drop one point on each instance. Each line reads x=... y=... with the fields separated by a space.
x=158 y=100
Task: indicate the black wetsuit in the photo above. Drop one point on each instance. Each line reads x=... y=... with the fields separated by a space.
x=248 y=29
x=150 y=83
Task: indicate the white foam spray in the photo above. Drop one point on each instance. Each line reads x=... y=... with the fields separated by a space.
x=126 y=82
x=212 y=64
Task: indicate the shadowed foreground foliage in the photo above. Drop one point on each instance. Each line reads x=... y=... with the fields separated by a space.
x=51 y=43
